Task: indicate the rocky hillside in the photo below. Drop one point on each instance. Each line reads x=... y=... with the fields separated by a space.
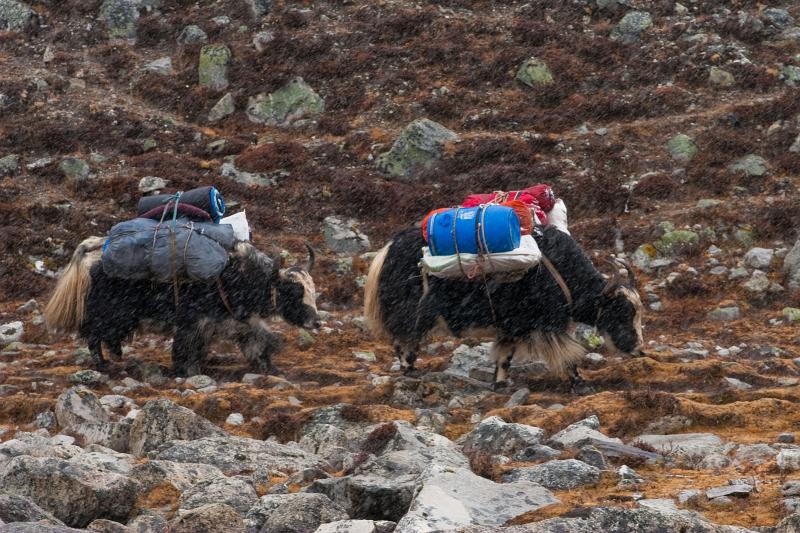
x=672 y=131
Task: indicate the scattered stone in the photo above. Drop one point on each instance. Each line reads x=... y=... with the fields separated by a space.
x=750 y=166
x=235 y=419
x=74 y=169
x=356 y=526
x=592 y=456
x=759 y=257
x=88 y=378
x=451 y=498
x=518 y=398
x=683 y=149
x=661 y=505
x=211 y=518
x=161 y=421
x=628 y=476
x=786 y=438
x=152 y=184
x=223 y=108
x=212 y=68
x=580 y=433
x=161 y=66
x=706 y=203
x=789 y=459
x=419 y=145
x=289 y=105
x=557 y=475
x=630 y=28
x=15 y=508
x=9 y=165
x=686 y=496
x=200 y=381
x=182 y=476
x=293 y=513
x=15 y=16
x=344 y=237
x=791 y=265
x=535 y=453
x=534 y=73
x=725 y=314
x=755 y=454
x=77 y=406
x=262 y=39
x=758 y=283
x=11 y=332
x=233 y=491
x=45 y=420
x=738 y=490
x=259 y=8
x=121 y=17
x=192 y=35
x=721 y=77
x=229 y=170
x=737 y=384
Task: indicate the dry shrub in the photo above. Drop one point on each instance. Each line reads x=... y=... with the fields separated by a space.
x=152 y=30
x=780 y=219
x=354 y=413
x=283 y=423
x=594 y=233
x=270 y=157
x=379 y=438
x=656 y=402
x=481 y=464
x=686 y=286
x=658 y=186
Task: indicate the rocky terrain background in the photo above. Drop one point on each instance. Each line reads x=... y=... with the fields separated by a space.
x=671 y=129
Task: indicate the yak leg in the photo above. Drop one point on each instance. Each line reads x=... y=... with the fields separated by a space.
x=259 y=345
x=188 y=349
x=502 y=353
x=578 y=385
x=115 y=348
x=96 y=350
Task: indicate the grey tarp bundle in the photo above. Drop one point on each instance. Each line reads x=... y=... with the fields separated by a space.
x=145 y=249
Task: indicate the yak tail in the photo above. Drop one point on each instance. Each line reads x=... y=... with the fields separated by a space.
x=67 y=306
x=559 y=350
x=372 y=305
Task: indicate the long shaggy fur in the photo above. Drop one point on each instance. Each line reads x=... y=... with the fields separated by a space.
x=372 y=305
x=66 y=309
x=560 y=351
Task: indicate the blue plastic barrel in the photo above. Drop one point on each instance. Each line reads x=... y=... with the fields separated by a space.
x=491 y=228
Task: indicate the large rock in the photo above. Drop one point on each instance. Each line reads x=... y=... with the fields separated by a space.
x=494 y=436
x=791 y=265
x=36 y=527
x=292 y=513
x=9 y=165
x=419 y=145
x=324 y=440
x=630 y=28
x=192 y=34
x=344 y=237
x=684 y=444
x=182 y=476
x=356 y=526
x=11 y=332
x=621 y=520
x=557 y=475
x=534 y=73
x=288 y=105
x=211 y=518
x=36 y=445
x=789 y=459
x=74 y=169
x=582 y=432
x=234 y=455
x=212 y=69
x=120 y=17
x=450 y=498
x=15 y=16
x=233 y=491
x=15 y=508
x=74 y=493
x=161 y=421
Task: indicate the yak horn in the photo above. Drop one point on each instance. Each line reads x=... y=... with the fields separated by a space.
x=631 y=276
x=614 y=282
x=311 y=258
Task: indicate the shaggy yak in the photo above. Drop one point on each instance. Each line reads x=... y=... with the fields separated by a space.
x=251 y=288
x=532 y=318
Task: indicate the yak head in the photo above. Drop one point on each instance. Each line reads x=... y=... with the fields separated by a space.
x=620 y=312
x=296 y=294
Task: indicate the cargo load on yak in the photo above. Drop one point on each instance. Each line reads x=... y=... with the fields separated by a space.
x=475 y=242
x=175 y=237
x=540 y=199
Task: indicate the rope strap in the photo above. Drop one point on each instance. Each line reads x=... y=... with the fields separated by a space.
x=557 y=277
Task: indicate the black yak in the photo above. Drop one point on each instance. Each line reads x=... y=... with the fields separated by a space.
x=533 y=317
x=251 y=288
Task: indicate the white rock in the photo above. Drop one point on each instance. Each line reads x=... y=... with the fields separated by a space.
x=11 y=332
x=235 y=419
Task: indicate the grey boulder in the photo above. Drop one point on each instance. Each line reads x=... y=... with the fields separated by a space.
x=182 y=476
x=15 y=508
x=582 y=432
x=494 y=436
x=161 y=421
x=292 y=513
x=233 y=491
x=557 y=475
x=211 y=518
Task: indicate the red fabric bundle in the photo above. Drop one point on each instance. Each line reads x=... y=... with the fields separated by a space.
x=539 y=199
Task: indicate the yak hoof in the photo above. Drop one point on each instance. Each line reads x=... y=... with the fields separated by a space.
x=411 y=371
x=499 y=385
